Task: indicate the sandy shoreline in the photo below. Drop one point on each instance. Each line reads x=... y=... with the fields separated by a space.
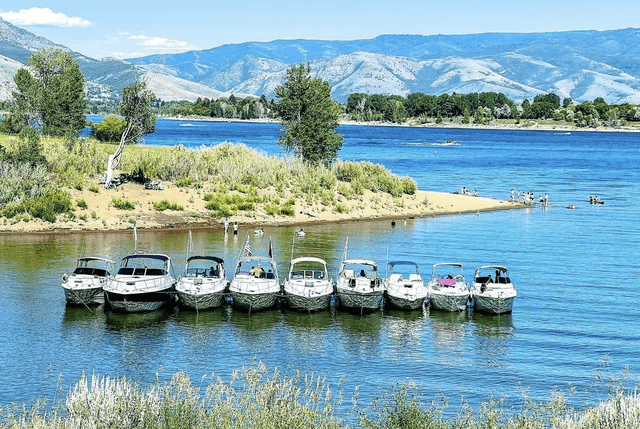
x=101 y=216
x=525 y=125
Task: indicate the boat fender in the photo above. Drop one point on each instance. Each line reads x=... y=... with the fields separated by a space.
x=65 y=277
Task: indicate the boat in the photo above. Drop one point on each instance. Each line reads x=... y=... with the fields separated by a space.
x=404 y=288
x=448 y=290
x=493 y=295
x=204 y=283
x=84 y=286
x=143 y=283
x=359 y=286
x=255 y=283
x=308 y=286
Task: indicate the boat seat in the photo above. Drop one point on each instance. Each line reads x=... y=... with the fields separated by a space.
x=486 y=279
x=271 y=276
x=349 y=273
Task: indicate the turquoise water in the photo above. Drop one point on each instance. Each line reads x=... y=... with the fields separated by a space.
x=577 y=274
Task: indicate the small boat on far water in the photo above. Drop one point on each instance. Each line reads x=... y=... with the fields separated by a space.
x=84 y=286
x=493 y=295
x=448 y=290
x=143 y=283
x=405 y=293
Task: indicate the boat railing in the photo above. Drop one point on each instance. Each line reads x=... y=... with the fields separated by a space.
x=141 y=283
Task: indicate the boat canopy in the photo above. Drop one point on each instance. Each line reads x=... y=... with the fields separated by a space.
x=493 y=268
x=308 y=259
x=359 y=262
x=207 y=258
x=411 y=263
x=85 y=260
x=156 y=256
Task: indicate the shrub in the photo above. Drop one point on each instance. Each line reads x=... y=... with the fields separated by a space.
x=81 y=203
x=48 y=205
x=184 y=182
x=409 y=185
x=341 y=208
x=94 y=188
x=122 y=203
x=166 y=205
x=94 y=215
x=109 y=130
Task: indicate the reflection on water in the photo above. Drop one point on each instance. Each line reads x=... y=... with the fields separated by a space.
x=78 y=314
x=254 y=321
x=213 y=316
x=360 y=324
x=448 y=329
x=118 y=321
x=319 y=320
x=492 y=337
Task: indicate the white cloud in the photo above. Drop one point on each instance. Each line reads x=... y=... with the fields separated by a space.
x=43 y=16
x=161 y=43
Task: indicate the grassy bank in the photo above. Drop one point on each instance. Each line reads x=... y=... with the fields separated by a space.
x=258 y=398
x=229 y=179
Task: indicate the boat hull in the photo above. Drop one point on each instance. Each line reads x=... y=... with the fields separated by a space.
x=201 y=301
x=309 y=303
x=138 y=302
x=86 y=296
x=360 y=301
x=445 y=302
x=403 y=303
x=492 y=304
x=254 y=301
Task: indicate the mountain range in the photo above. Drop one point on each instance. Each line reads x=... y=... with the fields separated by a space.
x=581 y=65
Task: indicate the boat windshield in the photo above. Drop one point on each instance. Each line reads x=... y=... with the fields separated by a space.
x=260 y=269
x=360 y=270
x=203 y=268
x=100 y=272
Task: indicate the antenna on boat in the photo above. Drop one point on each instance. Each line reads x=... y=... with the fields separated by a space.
x=386 y=267
x=189 y=245
x=293 y=243
x=346 y=247
x=135 y=235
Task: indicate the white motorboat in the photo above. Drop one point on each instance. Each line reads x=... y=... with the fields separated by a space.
x=84 y=285
x=255 y=283
x=308 y=286
x=493 y=294
x=448 y=290
x=359 y=287
x=404 y=288
x=143 y=283
x=203 y=284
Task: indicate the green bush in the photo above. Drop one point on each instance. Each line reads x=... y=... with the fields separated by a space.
x=341 y=208
x=109 y=130
x=82 y=203
x=48 y=205
x=94 y=188
x=166 y=205
x=409 y=185
x=122 y=203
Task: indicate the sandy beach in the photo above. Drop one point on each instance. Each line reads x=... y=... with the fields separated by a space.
x=100 y=215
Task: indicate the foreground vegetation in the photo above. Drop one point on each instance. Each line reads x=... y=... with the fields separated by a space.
x=258 y=398
x=230 y=178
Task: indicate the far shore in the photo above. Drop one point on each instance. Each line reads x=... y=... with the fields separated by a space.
x=100 y=216
x=527 y=125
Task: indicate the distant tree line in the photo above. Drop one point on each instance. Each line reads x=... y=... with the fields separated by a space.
x=482 y=108
x=231 y=107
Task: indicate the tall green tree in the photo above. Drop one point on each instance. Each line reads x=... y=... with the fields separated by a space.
x=50 y=94
x=309 y=116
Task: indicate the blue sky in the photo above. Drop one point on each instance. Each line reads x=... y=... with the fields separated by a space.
x=128 y=28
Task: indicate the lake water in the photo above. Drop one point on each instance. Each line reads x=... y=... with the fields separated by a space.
x=577 y=273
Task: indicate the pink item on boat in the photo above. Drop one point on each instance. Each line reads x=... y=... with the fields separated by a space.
x=446 y=282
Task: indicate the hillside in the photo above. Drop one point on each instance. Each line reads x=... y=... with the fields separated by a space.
x=581 y=65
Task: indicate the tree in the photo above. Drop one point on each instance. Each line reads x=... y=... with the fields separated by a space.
x=109 y=130
x=135 y=109
x=308 y=116
x=50 y=94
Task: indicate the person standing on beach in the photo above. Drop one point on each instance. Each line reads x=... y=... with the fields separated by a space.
x=511 y=195
x=546 y=199
x=226 y=225
x=235 y=228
